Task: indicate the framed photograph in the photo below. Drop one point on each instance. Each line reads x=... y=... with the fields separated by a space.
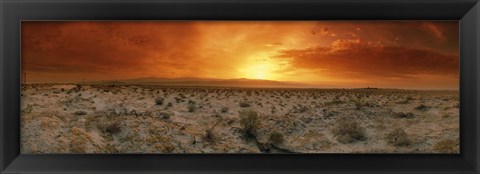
x=240 y=86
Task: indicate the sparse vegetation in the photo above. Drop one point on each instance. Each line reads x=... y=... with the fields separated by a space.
x=159 y=101
x=403 y=115
x=112 y=127
x=397 y=137
x=336 y=101
x=191 y=107
x=348 y=131
x=249 y=121
x=276 y=138
x=28 y=109
x=154 y=119
x=224 y=109
x=210 y=134
x=244 y=104
x=80 y=113
x=164 y=115
x=422 y=107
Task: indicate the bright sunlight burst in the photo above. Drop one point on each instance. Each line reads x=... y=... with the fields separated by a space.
x=260 y=66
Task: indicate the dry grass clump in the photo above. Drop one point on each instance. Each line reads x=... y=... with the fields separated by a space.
x=446 y=146
x=244 y=104
x=191 y=107
x=300 y=109
x=80 y=113
x=159 y=101
x=224 y=109
x=398 y=137
x=359 y=105
x=403 y=115
x=164 y=115
x=276 y=138
x=422 y=107
x=210 y=134
x=334 y=102
x=28 y=109
x=77 y=88
x=113 y=127
x=406 y=100
x=348 y=131
x=249 y=121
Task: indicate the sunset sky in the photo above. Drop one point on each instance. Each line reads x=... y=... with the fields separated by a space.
x=350 y=54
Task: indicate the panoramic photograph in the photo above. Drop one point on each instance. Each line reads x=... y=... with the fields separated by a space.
x=239 y=87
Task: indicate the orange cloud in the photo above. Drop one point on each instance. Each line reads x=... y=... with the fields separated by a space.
x=373 y=59
x=62 y=47
x=301 y=51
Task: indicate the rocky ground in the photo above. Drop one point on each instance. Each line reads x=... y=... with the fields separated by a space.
x=153 y=119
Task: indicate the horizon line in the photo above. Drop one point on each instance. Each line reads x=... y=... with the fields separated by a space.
x=250 y=86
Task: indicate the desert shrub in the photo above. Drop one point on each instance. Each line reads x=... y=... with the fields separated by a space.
x=224 y=109
x=422 y=107
x=397 y=137
x=178 y=100
x=169 y=104
x=249 y=121
x=164 y=115
x=403 y=115
x=348 y=131
x=159 y=101
x=191 y=107
x=28 y=109
x=276 y=138
x=446 y=146
x=113 y=128
x=300 y=109
x=403 y=101
x=215 y=114
x=80 y=113
x=77 y=88
x=336 y=101
x=209 y=135
x=244 y=104
x=110 y=127
x=359 y=105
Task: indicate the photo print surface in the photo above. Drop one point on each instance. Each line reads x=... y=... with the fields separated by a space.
x=240 y=87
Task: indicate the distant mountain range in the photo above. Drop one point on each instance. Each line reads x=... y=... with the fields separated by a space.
x=192 y=81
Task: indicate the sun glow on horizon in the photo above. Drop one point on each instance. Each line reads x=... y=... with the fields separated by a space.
x=261 y=71
x=260 y=66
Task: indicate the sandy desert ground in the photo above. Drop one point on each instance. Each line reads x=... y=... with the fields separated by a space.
x=154 y=119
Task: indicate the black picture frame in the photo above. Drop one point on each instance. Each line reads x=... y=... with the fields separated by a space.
x=14 y=11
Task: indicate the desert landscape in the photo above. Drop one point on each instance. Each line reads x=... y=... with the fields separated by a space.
x=240 y=87
x=68 y=118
